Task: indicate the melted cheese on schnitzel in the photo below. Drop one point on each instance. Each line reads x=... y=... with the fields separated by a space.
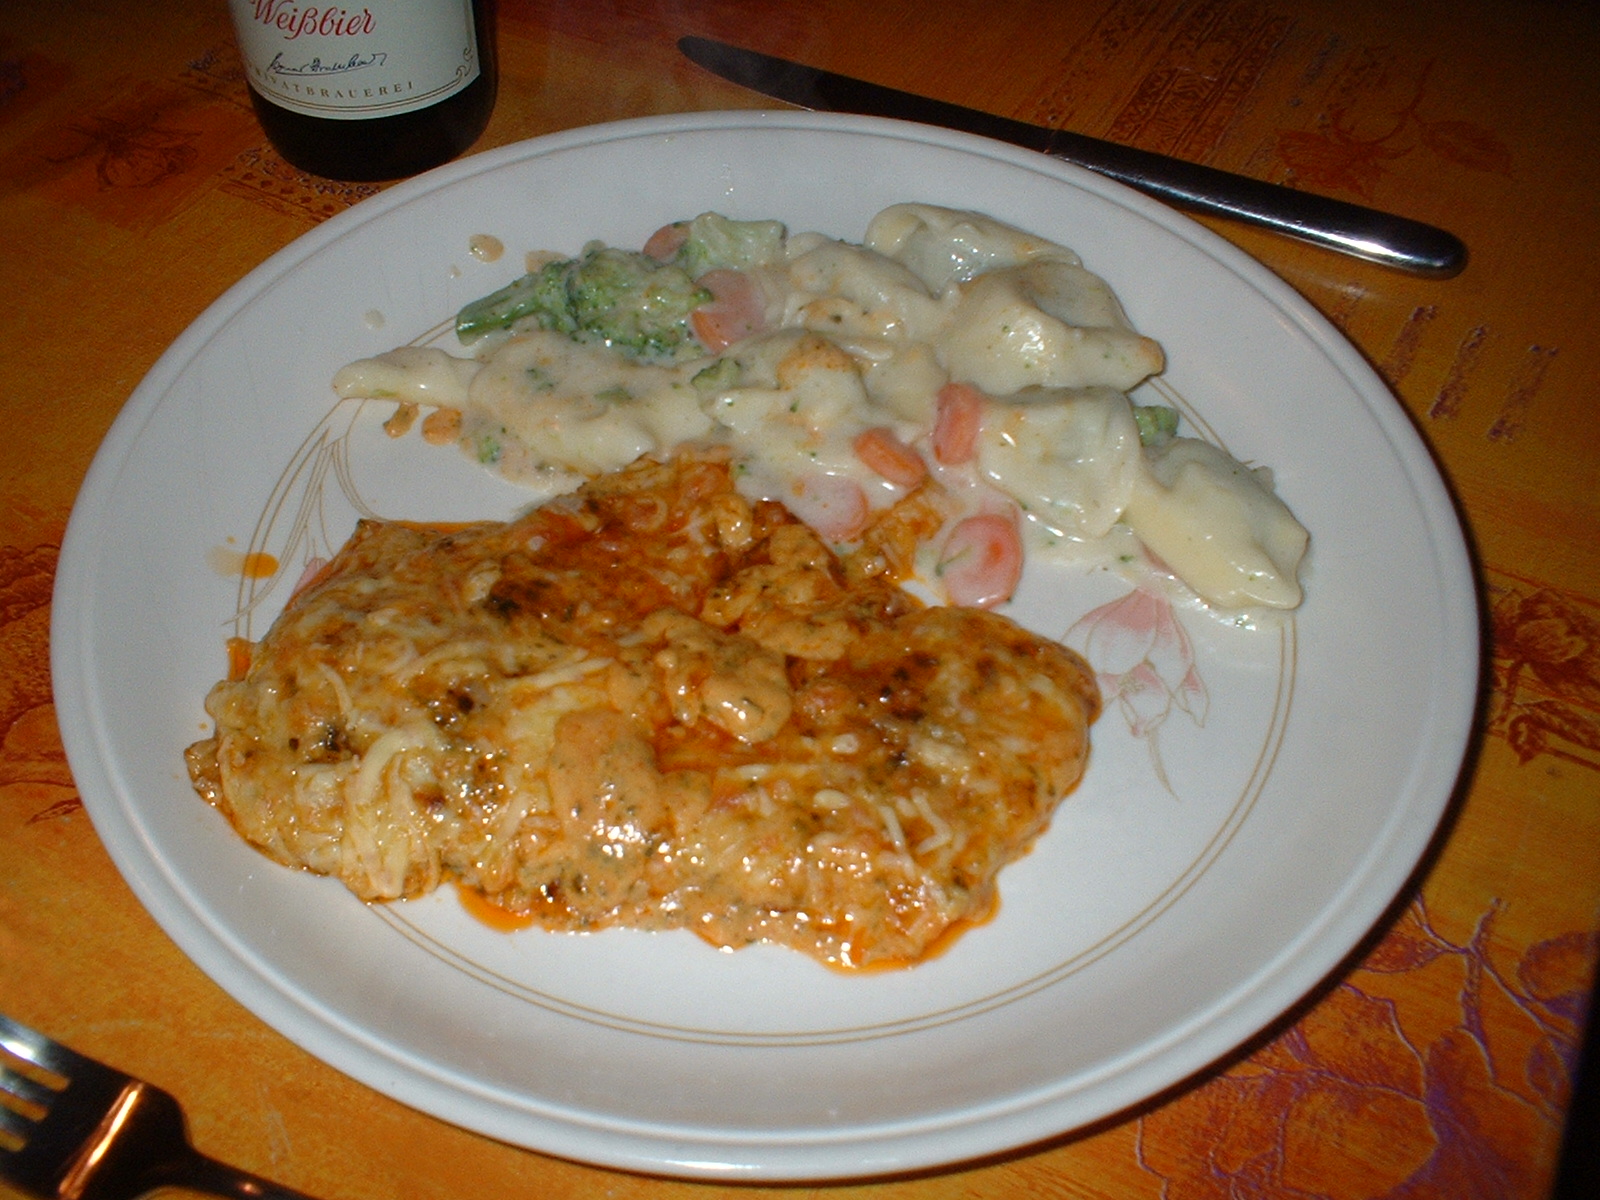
x=657 y=704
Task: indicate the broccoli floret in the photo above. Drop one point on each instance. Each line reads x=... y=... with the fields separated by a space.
x=623 y=299
x=1157 y=423
x=715 y=241
x=487 y=447
x=722 y=374
x=542 y=293
x=634 y=303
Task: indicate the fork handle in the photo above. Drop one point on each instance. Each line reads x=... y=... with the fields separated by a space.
x=202 y=1174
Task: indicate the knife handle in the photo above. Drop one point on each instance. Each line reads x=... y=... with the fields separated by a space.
x=1349 y=228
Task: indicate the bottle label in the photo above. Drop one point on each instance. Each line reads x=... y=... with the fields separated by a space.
x=383 y=58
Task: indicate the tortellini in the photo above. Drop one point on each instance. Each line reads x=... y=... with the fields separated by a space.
x=410 y=374
x=791 y=388
x=945 y=245
x=1044 y=324
x=1070 y=458
x=849 y=292
x=1218 y=525
x=542 y=401
x=1026 y=313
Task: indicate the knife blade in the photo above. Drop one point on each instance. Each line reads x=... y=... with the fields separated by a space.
x=1352 y=229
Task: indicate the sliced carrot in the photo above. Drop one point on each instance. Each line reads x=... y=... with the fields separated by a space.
x=736 y=310
x=833 y=505
x=956 y=423
x=886 y=454
x=665 y=242
x=981 y=561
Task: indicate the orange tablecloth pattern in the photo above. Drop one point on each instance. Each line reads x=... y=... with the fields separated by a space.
x=135 y=187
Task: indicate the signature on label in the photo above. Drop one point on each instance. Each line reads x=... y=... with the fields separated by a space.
x=316 y=67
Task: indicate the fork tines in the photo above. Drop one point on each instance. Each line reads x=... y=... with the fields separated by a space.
x=33 y=1071
x=50 y=1056
x=25 y=1095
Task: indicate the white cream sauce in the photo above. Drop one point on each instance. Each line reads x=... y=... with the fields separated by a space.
x=858 y=338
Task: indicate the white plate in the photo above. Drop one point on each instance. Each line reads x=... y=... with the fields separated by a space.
x=1181 y=901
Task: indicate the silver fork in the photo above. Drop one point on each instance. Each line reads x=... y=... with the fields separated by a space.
x=75 y=1129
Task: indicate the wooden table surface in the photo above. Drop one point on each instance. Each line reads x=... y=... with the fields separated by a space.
x=135 y=187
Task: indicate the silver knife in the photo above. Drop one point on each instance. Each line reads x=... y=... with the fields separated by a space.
x=1348 y=228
